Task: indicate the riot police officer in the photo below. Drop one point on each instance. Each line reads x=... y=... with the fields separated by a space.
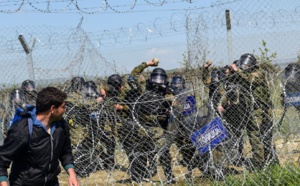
x=224 y=103
x=177 y=84
x=74 y=100
x=110 y=118
x=82 y=115
x=213 y=81
x=260 y=125
x=150 y=118
x=233 y=106
x=89 y=90
x=16 y=100
x=29 y=89
x=185 y=120
x=291 y=76
x=77 y=84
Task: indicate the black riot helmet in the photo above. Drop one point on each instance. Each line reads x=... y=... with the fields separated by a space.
x=177 y=84
x=90 y=89
x=247 y=61
x=17 y=98
x=28 y=85
x=217 y=75
x=77 y=83
x=115 y=80
x=158 y=79
x=292 y=72
x=236 y=62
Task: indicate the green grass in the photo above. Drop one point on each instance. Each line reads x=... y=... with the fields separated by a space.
x=288 y=175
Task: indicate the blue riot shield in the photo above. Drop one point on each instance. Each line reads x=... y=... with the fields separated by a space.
x=209 y=136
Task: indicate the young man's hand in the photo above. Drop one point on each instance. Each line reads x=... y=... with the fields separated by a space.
x=72 y=177
x=3 y=183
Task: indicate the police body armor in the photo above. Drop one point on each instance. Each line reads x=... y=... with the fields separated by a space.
x=188 y=121
x=150 y=109
x=84 y=144
x=291 y=86
x=185 y=114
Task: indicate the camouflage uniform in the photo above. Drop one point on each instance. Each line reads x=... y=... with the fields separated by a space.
x=139 y=80
x=213 y=87
x=260 y=127
x=187 y=121
x=217 y=95
x=236 y=101
x=110 y=122
x=146 y=138
x=85 y=133
x=76 y=105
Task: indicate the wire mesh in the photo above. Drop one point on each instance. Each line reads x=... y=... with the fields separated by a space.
x=224 y=127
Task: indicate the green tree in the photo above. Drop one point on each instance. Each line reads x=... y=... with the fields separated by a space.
x=265 y=59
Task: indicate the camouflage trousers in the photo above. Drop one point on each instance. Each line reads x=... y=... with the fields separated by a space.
x=143 y=146
x=264 y=119
x=237 y=118
x=259 y=128
x=191 y=159
x=97 y=150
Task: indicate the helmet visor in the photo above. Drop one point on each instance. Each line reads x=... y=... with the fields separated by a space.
x=244 y=66
x=17 y=97
x=90 y=92
x=291 y=73
x=215 y=76
x=246 y=62
x=29 y=86
x=159 y=78
x=176 y=83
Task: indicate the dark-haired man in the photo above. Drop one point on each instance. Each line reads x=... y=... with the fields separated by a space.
x=35 y=155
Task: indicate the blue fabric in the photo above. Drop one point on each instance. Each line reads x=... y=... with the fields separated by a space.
x=292 y=99
x=32 y=120
x=68 y=167
x=53 y=125
x=190 y=106
x=17 y=117
x=30 y=109
x=3 y=178
x=209 y=136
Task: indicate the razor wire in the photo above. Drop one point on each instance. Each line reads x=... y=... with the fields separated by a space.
x=95 y=7
x=97 y=127
x=139 y=135
x=112 y=147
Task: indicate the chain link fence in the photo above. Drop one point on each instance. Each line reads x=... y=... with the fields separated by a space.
x=220 y=126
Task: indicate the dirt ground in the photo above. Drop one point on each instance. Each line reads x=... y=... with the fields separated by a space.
x=288 y=151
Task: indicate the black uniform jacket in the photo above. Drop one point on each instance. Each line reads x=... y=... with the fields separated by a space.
x=35 y=158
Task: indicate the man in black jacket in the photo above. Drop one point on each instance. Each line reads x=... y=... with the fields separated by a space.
x=35 y=154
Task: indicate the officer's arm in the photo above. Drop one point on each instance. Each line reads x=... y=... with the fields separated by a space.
x=140 y=68
x=205 y=73
x=206 y=79
x=222 y=100
x=242 y=75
